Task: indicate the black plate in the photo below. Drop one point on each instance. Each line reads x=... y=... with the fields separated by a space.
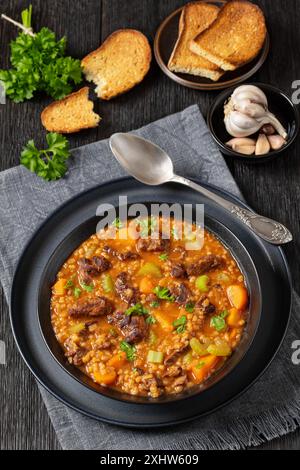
x=267 y=276
x=164 y=42
x=279 y=104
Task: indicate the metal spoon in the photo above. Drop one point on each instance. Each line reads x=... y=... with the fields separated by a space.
x=151 y=165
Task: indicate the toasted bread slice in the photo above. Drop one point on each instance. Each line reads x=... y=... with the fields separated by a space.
x=235 y=37
x=71 y=114
x=195 y=18
x=119 y=64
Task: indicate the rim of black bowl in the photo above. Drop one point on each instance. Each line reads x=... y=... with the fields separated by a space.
x=259 y=158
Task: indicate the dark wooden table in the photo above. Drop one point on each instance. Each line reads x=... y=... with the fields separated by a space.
x=272 y=189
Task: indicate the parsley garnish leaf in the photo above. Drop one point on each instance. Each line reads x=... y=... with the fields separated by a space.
x=129 y=349
x=117 y=223
x=180 y=324
x=190 y=306
x=50 y=163
x=150 y=320
x=218 y=322
x=136 y=309
x=163 y=293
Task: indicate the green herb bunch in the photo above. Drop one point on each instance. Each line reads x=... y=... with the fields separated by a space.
x=39 y=64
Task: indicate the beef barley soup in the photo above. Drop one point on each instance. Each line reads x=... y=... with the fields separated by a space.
x=147 y=316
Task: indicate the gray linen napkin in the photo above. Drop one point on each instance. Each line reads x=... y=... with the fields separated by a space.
x=271 y=408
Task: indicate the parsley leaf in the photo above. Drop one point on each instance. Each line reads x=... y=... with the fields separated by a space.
x=137 y=309
x=129 y=350
x=163 y=293
x=39 y=64
x=77 y=292
x=180 y=324
x=50 y=163
x=69 y=284
x=200 y=365
x=87 y=287
x=150 y=320
x=163 y=257
x=117 y=223
x=190 y=306
x=218 y=322
x=147 y=226
x=154 y=304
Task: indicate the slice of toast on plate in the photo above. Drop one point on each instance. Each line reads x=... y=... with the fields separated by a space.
x=235 y=38
x=119 y=64
x=70 y=114
x=195 y=18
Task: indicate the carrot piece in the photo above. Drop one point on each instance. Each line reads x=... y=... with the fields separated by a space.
x=233 y=333
x=234 y=317
x=118 y=360
x=105 y=378
x=163 y=320
x=146 y=285
x=238 y=296
x=201 y=368
x=59 y=287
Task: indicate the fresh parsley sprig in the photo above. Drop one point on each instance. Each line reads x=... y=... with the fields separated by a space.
x=38 y=64
x=49 y=163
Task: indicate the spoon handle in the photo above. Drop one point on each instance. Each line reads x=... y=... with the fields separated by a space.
x=268 y=229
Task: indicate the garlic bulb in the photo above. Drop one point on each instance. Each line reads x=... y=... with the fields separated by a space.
x=247 y=112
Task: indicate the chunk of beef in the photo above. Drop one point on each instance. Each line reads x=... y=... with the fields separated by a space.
x=204 y=265
x=125 y=290
x=205 y=306
x=126 y=256
x=92 y=308
x=88 y=268
x=133 y=327
x=74 y=352
x=101 y=264
x=181 y=293
x=175 y=353
x=153 y=244
x=178 y=271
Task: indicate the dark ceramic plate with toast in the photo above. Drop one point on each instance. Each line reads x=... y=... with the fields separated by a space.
x=263 y=265
x=164 y=42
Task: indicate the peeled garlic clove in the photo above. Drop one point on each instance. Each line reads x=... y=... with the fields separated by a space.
x=268 y=129
x=238 y=142
x=276 y=141
x=262 y=145
x=245 y=149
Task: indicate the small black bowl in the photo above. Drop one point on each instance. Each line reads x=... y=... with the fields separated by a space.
x=279 y=104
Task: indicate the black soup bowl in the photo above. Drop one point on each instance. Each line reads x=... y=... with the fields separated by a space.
x=84 y=231
x=279 y=104
x=263 y=265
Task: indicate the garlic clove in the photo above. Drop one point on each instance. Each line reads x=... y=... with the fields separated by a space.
x=262 y=145
x=245 y=149
x=276 y=141
x=268 y=129
x=240 y=141
x=240 y=125
x=251 y=109
x=250 y=92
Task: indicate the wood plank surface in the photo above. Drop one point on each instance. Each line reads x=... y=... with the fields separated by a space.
x=271 y=189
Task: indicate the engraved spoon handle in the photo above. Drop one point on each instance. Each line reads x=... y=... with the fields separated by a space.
x=268 y=229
